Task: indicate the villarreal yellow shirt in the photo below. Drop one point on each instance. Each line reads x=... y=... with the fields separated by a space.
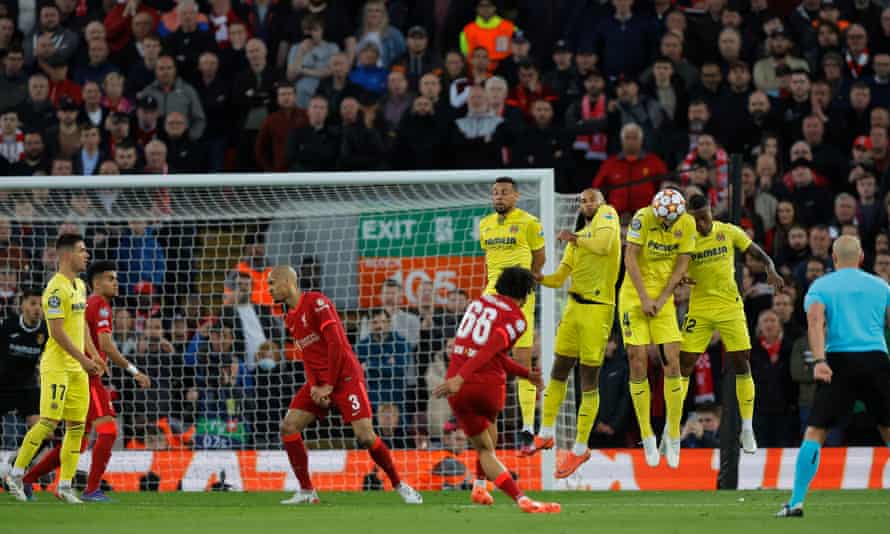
x=64 y=299
x=508 y=241
x=713 y=267
x=594 y=260
x=659 y=247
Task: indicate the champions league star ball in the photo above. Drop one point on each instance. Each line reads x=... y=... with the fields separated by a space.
x=669 y=204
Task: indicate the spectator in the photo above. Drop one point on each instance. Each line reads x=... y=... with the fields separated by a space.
x=222 y=19
x=419 y=141
x=120 y=19
x=275 y=380
x=880 y=80
x=90 y=155
x=827 y=159
x=587 y=119
x=478 y=137
x=672 y=47
x=12 y=144
x=368 y=74
x=308 y=63
x=403 y=322
x=13 y=80
x=778 y=46
x=98 y=66
x=113 y=97
x=869 y=211
x=758 y=202
x=478 y=75
x=172 y=93
x=783 y=305
x=92 y=111
x=233 y=57
x=184 y=155
x=141 y=71
x=508 y=69
x=496 y=91
x=35 y=159
x=126 y=158
x=563 y=79
x=543 y=145
x=117 y=128
x=315 y=146
x=255 y=264
x=701 y=431
x=140 y=256
x=812 y=201
x=437 y=410
x=624 y=42
x=844 y=214
x=632 y=107
x=436 y=326
x=389 y=425
x=252 y=324
x=819 y=241
x=632 y=164
x=187 y=42
x=363 y=144
x=338 y=86
x=419 y=60
x=251 y=94
x=771 y=368
x=375 y=27
x=215 y=91
x=384 y=355
x=858 y=59
x=489 y=31
x=64 y=41
x=397 y=100
x=793 y=250
x=529 y=90
x=272 y=138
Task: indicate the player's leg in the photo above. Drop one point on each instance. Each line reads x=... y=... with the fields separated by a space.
x=554 y=395
x=666 y=334
x=480 y=493
x=301 y=413
x=106 y=434
x=525 y=390
x=734 y=332
x=382 y=456
x=77 y=404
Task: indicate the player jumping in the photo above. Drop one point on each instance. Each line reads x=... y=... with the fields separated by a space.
x=656 y=259
x=715 y=304
x=476 y=379
x=593 y=259
x=102 y=277
x=66 y=363
x=334 y=376
x=509 y=237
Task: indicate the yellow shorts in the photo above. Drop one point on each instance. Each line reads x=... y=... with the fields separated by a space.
x=64 y=395
x=639 y=329
x=699 y=326
x=584 y=331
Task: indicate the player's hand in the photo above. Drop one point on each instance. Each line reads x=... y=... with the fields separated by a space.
x=536 y=378
x=774 y=279
x=822 y=372
x=565 y=235
x=142 y=380
x=686 y=281
x=603 y=428
x=449 y=387
x=91 y=367
x=321 y=395
x=649 y=306
x=102 y=363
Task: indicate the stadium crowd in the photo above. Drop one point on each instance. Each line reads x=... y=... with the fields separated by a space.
x=622 y=95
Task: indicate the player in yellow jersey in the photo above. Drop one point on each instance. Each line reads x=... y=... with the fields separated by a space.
x=512 y=237
x=715 y=304
x=660 y=240
x=64 y=369
x=593 y=259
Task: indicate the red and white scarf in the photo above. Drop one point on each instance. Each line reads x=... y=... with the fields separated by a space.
x=855 y=65
x=13 y=150
x=772 y=349
x=704 y=380
x=594 y=146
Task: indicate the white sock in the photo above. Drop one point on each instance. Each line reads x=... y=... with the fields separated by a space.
x=64 y=484
x=529 y=429
x=547 y=431
x=17 y=472
x=478 y=483
x=579 y=449
x=747 y=425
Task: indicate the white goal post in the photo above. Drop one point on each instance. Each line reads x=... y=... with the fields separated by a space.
x=345 y=233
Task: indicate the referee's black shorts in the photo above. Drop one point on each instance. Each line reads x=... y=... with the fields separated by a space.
x=856 y=376
x=25 y=402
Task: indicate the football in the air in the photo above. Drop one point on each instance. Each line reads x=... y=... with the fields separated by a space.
x=669 y=204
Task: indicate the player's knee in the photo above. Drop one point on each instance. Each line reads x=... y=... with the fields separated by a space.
x=366 y=438
x=288 y=428
x=108 y=428
x=740 y=362
x=75 y=427
x=687 y=363
x=48 y=424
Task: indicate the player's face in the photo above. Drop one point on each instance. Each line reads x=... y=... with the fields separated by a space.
x=106 y=284
x=277 y=289
x=503 y=198
x=31 y=309
x=589 y=204
x=79 y=256
x=703 y=220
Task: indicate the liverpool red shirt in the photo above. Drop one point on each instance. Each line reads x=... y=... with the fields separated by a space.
x=98 y=320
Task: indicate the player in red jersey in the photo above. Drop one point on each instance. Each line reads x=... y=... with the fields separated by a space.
x=102 y=277
x=476 y=383
x=334 y=377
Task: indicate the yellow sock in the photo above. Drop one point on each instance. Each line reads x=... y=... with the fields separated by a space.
x=673 y=404
x=70 y=453
x=553 y=397
x=684 y=383
x=590 y=405
x=528 y=397
x=31 y=444
x=642 y=399
x=744 y=390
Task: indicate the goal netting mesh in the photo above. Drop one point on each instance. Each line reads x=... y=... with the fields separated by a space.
x=193 y=313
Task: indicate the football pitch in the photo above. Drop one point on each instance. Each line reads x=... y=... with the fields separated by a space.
x=748 y=512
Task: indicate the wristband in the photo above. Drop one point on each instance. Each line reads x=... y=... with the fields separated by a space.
x=132 y=370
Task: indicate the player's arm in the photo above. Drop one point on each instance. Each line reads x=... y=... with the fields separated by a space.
x=816 y=337
x=90 y=348
x=539 y=258
x=600 y=243
x=677 y=276
x=109 y=347
x=557 y=279
x=56 y=327
x=632 y=266
x=772 y=275
x=535 y=239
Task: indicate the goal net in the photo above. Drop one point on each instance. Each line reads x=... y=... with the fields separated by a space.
x=193 y=253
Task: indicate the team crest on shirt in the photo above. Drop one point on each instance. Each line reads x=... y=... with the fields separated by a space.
x=320 y=304
x=54 y=304
x=103 y=313
x=720 y=236
x=678 y=234
x=514 y=229
x=636 y=224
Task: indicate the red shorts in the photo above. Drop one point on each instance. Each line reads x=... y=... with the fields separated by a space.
x=100 y=401
x=350 y=399
x=476 y=406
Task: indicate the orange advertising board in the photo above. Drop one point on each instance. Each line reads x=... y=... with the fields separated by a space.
x=445 y=272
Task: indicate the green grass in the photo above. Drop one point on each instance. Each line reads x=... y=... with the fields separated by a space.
x=858 y=512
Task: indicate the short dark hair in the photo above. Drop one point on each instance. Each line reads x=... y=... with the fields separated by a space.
x=708 y=407
x=31 y=291
x=697 y=202
x=505 y=180
x=98 y=267
x=515 y=282
x=68 y=241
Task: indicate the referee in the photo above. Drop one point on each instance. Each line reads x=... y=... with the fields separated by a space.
x=846 y=314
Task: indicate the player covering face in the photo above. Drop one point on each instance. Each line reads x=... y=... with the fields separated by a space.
x=334 y=377
x=476 y=379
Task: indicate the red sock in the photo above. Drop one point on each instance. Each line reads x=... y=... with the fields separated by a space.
x=480 y=473
x=382 y=457
x=299 y=459
x=50 y=461
x=505 y=483
x=106 y=434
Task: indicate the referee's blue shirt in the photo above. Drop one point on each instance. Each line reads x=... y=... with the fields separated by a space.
x=855 y=307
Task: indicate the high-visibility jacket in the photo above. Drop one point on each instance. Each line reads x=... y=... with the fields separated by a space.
x=494 y=35
x=259 y=283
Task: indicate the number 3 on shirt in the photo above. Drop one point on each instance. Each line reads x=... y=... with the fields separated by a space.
x=477 y=320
